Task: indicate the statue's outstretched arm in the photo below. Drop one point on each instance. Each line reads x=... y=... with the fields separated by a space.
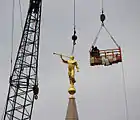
x=63 y=59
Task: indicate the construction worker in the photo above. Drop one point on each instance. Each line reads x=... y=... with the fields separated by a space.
x=71 y=68
x=95 y=52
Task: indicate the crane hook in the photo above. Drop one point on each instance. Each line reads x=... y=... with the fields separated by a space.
x=74 y=38
x=102 y=17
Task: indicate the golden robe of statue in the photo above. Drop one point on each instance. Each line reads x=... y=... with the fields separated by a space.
x=71 y=68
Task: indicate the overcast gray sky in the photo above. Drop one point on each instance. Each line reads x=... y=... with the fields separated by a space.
x=100 y=93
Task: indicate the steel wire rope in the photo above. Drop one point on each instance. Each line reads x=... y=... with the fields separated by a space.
x=125 y=93
x=102 y=6
x=72 y=50
x=96 y=37
x=12 y=35
x=95 y=40
x=11 y=55
x=21 y=20
x=74 y=37
x=112 y=37
x=74 y=15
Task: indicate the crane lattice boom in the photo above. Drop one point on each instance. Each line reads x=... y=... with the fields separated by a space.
x=23 y=79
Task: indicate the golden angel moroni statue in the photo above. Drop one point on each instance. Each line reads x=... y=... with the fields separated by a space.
x=72 y=64
x=71 y=68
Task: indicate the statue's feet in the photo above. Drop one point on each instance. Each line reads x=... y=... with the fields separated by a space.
x=73 y=80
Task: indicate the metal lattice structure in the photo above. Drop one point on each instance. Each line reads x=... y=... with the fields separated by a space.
x=23 y=84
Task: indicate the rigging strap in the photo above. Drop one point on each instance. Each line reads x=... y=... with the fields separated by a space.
x=111 y=37
x=95 y=40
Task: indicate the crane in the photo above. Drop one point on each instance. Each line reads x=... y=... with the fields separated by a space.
x=23 y=82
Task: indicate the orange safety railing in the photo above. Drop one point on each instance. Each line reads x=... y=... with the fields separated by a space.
x=113 y=56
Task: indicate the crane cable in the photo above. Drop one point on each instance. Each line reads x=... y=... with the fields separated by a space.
x=102 y=18
x=21 y=20
x=74 y=37
x=12 y=35
x=95 y=40
x=125 y=93
x=102 y=6
x=111 y=37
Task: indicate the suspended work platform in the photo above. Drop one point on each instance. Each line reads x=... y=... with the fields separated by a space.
x=105 y=57
x=108 y=56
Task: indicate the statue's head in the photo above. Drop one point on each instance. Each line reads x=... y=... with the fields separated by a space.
x=72 y=57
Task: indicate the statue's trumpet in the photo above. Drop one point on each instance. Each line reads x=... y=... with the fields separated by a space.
x=60 y=55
